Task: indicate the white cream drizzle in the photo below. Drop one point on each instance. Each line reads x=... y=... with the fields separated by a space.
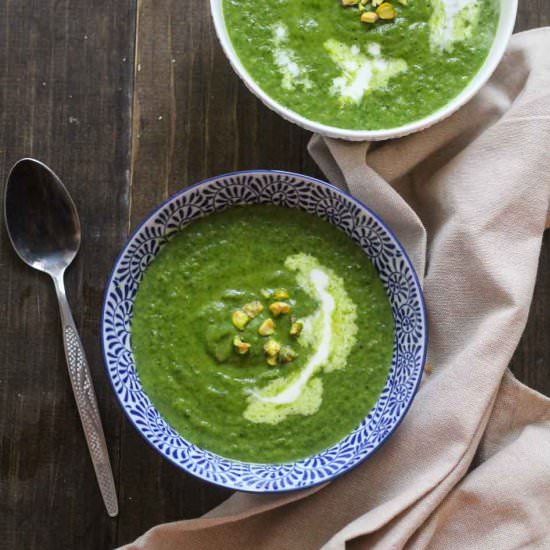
x=320 y=283
x=360 y=73
x=447 y=24
x=329 y=334
x=292 y=72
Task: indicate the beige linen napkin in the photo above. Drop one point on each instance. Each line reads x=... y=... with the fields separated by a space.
x=469 y=468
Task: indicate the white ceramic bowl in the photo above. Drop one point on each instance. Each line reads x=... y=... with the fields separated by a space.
x=508 y=9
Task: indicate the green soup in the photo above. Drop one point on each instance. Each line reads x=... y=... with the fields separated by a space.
x=262 y=334
x=317 y=58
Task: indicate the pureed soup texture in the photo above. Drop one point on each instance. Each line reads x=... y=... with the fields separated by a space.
x=262 y=334
x=367 y=66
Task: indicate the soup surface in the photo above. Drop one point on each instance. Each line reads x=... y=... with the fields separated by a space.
x=317 y=58
x=262 y=333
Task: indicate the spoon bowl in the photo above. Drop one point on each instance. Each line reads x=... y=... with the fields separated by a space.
x=41 y=217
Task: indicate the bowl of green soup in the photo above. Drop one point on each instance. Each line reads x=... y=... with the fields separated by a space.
x=264 y=331
x=364 y=69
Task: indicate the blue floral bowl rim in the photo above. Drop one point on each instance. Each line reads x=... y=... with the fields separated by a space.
x=316 y=181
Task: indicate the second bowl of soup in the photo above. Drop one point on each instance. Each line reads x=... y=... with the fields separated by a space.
x=364 y=69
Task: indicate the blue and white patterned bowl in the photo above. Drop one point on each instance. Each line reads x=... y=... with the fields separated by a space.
x=293 y=191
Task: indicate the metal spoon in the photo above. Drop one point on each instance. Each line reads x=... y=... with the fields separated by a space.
x=44 y=229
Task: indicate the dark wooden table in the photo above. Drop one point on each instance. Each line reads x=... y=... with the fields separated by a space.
x=128 y=101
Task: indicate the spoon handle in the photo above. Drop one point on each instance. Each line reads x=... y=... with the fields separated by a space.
x=86 y=402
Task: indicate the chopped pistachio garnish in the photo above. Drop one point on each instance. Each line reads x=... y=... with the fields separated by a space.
x=386 y=11
x=287 y=354
x=253 y=309
x=272 y=347
x=241 y=347
x=272 y=361
x=281 y=294
x=295 y=328
x=267 y=328
x=369 y=17
x=370 y=11
x=239 y=319
x=266 y=293
x=277 y=308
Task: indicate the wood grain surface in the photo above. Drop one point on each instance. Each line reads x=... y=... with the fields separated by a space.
x=66 y=70
x=128 y=101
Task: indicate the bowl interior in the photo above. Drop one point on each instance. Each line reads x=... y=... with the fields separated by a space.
x=508 y=10
x=292 y=191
